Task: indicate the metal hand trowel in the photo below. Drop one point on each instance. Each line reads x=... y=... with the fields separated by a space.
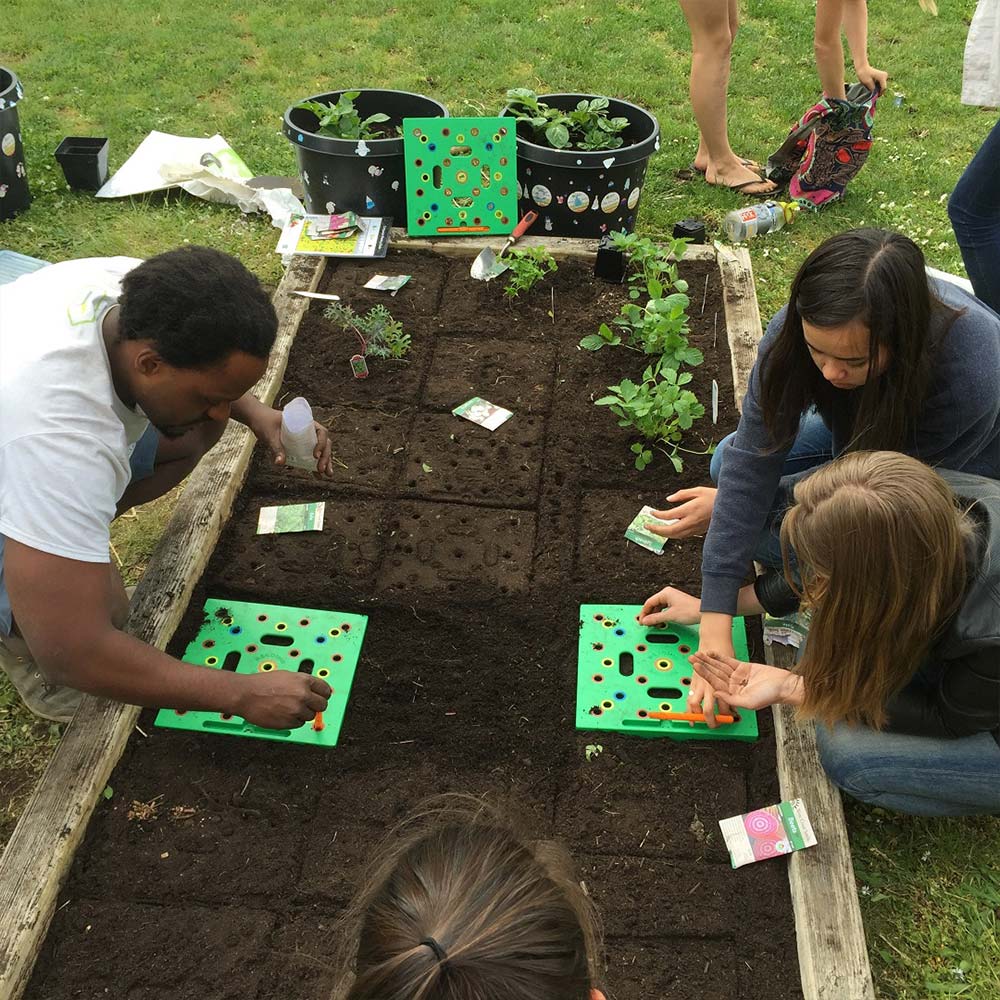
x=489 y=264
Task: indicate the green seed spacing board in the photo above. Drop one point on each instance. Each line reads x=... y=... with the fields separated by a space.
x=461 y=176
x=249 y=638
x=625 y=669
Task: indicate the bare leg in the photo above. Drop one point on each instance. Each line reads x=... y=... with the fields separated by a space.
x=713 y=25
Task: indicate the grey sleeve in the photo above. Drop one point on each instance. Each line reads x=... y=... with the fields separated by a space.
x=748 y=481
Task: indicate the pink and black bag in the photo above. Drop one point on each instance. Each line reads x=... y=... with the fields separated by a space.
x=826 y=148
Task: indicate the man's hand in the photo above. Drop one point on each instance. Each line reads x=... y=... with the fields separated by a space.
x=265 y=422
x=670 y=605
x=691 y=517
x=281 y=699
x=746 y=685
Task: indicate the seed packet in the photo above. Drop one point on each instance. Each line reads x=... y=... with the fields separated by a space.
x=291 y=517
x=483 y=412
x=767 y=832
x=638 y=531
x=391 y=283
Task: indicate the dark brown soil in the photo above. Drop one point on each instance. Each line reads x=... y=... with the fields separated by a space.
x=470 y=552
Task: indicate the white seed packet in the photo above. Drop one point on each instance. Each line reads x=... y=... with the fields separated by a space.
x=483 y=412
x=638 y=531
x=767 y=832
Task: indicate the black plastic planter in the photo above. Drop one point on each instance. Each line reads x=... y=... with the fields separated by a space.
x=14 y=194
x=585 y=193
x=348 y=175
x=84 y=161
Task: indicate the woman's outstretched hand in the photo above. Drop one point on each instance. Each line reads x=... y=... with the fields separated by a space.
x=746 y=685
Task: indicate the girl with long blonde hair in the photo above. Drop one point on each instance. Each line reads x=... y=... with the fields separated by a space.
x=900 y=568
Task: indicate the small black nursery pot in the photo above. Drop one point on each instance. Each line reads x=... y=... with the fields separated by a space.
x=14 y=194
x=585 y=193
x=367 y=176
x=84 y=161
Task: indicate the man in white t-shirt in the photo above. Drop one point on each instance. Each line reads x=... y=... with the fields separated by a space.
x=116 y=376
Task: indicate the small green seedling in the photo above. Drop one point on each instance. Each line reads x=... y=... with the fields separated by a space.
x=342 y=121
x=588 y=126
x=593 y=750
x=526 y=269
x=108 y=792
x=382 y=336
x=659 y=408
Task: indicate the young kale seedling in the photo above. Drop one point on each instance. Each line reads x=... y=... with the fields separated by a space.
x=526 y=269
x=383 y=336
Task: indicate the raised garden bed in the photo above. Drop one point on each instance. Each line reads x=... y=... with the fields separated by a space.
x=471 y=574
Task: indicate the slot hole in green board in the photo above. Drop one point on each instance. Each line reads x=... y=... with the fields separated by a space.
x=461 y=151
x=659 y=692
x=668 y=637
x=437 y=177
x=276 y=640
x=626 y=666
x=231 y=660
x=306 y=666
x=462 y=202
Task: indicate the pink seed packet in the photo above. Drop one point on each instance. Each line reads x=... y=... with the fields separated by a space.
x=767 y=832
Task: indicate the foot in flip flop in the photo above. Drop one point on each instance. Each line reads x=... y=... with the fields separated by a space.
x=701 y=167
x=741 y=179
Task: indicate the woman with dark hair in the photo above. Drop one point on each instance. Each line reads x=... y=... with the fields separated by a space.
x=900 y=568
x=869 y=354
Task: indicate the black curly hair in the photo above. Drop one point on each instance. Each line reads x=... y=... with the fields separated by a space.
x=197 y=305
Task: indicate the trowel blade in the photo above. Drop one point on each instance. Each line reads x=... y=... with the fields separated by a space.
x=487 y=266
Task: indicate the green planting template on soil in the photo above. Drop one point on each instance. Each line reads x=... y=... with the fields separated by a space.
x=461 y=175
x=625 y=671
x=248 y=638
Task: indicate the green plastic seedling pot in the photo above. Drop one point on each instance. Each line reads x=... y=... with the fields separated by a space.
x=251 y=638
x=625 y=671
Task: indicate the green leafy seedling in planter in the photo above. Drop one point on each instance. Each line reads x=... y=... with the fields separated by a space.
x=660 y=409
x=526 y=269
x=342 y=121
x=380 y=334
x=588 y=127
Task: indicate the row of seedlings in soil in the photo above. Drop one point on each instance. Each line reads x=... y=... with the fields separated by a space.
x=659 y=407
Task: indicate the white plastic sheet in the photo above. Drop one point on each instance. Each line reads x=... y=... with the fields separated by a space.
x=981 y=73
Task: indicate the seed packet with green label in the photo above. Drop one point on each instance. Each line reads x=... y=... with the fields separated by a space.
x=483 y=412
x=291 y=517
x=767 y=832
x=638 y=531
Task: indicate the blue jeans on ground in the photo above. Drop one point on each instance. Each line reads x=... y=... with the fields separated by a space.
x=974 y=210
x=813 y=446
x=922 y=775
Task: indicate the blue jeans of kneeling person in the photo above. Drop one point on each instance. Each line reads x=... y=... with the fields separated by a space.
x=813 y=446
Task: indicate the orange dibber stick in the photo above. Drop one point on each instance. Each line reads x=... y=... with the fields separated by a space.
x=318 y=726
x=689 y=716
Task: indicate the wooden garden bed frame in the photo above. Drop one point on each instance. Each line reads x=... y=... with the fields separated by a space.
x=833 y=958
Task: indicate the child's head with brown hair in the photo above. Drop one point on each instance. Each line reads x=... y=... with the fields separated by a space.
x=881 y=545
x=459 y=907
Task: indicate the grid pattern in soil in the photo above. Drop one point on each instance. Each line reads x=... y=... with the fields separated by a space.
x=471 y=553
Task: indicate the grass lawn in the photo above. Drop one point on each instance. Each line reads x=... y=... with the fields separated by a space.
x=930 y=890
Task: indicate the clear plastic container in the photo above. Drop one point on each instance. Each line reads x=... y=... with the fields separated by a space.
x=298 y=435
x=768 y=217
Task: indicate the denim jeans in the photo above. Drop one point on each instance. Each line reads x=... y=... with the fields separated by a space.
x=813 y=446
x=921 y=775
x=974 y=210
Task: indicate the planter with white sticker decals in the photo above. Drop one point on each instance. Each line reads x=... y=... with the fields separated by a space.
x=584 y=192
x=363 y=175
x=14 y=194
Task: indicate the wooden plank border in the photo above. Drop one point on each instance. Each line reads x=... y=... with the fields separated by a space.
x=831 y=945
x=38 y=855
